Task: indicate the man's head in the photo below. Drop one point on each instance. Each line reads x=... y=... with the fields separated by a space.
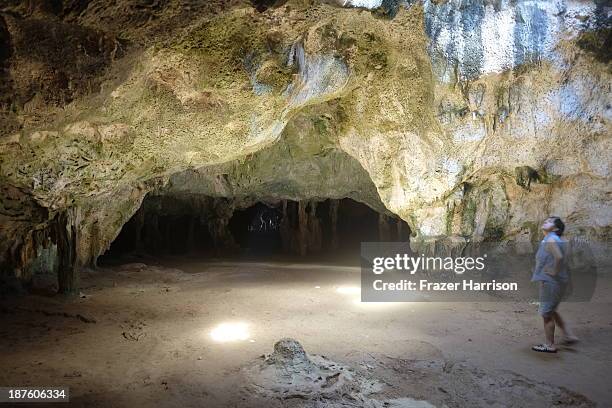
x=553 y=223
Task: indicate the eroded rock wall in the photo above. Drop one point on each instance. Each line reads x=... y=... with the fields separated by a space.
x=471 y=119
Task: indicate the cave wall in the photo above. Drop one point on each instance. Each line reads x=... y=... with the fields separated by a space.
x=468 y=119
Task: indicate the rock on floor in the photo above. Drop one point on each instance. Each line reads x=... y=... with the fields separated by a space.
x=289 y=377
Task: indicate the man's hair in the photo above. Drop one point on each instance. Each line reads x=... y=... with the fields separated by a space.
x=559 y=224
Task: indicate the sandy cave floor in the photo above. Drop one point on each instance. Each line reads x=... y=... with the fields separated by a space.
x=151 y=344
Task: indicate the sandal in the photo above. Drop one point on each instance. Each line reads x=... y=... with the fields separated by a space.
x=544 y=348
x=569 y=340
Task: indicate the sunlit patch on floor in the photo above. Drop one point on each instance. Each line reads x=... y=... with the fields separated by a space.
x=348 y=290
x=227 y=332
x=377 y=305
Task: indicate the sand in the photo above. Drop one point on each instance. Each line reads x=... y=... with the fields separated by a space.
x=141 y=336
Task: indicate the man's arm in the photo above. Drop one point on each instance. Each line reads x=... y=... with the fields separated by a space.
x=553 y=248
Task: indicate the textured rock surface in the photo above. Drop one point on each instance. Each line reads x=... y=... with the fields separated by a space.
x=290 y=377
x=468 y=118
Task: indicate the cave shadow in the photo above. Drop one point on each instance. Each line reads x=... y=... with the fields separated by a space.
x=207 y=228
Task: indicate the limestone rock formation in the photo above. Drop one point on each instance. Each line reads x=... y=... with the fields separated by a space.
x=290 y=377
x=471 y=119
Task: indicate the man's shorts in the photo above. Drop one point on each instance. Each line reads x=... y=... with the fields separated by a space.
x=550 y=296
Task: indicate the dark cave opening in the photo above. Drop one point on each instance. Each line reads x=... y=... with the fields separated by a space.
x=163 y=225
x=214 y=227
x=263 y=5
x=256 y=229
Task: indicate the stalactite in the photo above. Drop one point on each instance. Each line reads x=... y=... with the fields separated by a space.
x=215 y=226
x=94 y=249
x=314 y=229
x=27 y=253
x=402 y=235
x=66 y=230
x=35 y=255
x=222 y=238
x=49 y=256
x=285 y=229
x=384 y=231
x=139 y=224
x=333 y=216
x=218 y=226
x=302 y=229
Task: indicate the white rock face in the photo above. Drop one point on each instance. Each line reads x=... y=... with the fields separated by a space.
x=320 y=76
x=491 y=37
x=369 y=4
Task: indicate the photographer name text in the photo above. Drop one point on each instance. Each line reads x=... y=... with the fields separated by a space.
x=425 y=285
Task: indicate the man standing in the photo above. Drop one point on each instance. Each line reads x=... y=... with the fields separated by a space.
x=551 y=274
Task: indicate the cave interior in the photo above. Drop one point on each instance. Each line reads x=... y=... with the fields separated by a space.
x=204 y=226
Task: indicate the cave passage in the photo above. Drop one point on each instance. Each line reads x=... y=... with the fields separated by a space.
x=208 y=226
x=257 y=228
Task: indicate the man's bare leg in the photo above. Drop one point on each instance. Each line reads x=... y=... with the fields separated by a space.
x=568 y=336
x=549 y=329
x=549 y=332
